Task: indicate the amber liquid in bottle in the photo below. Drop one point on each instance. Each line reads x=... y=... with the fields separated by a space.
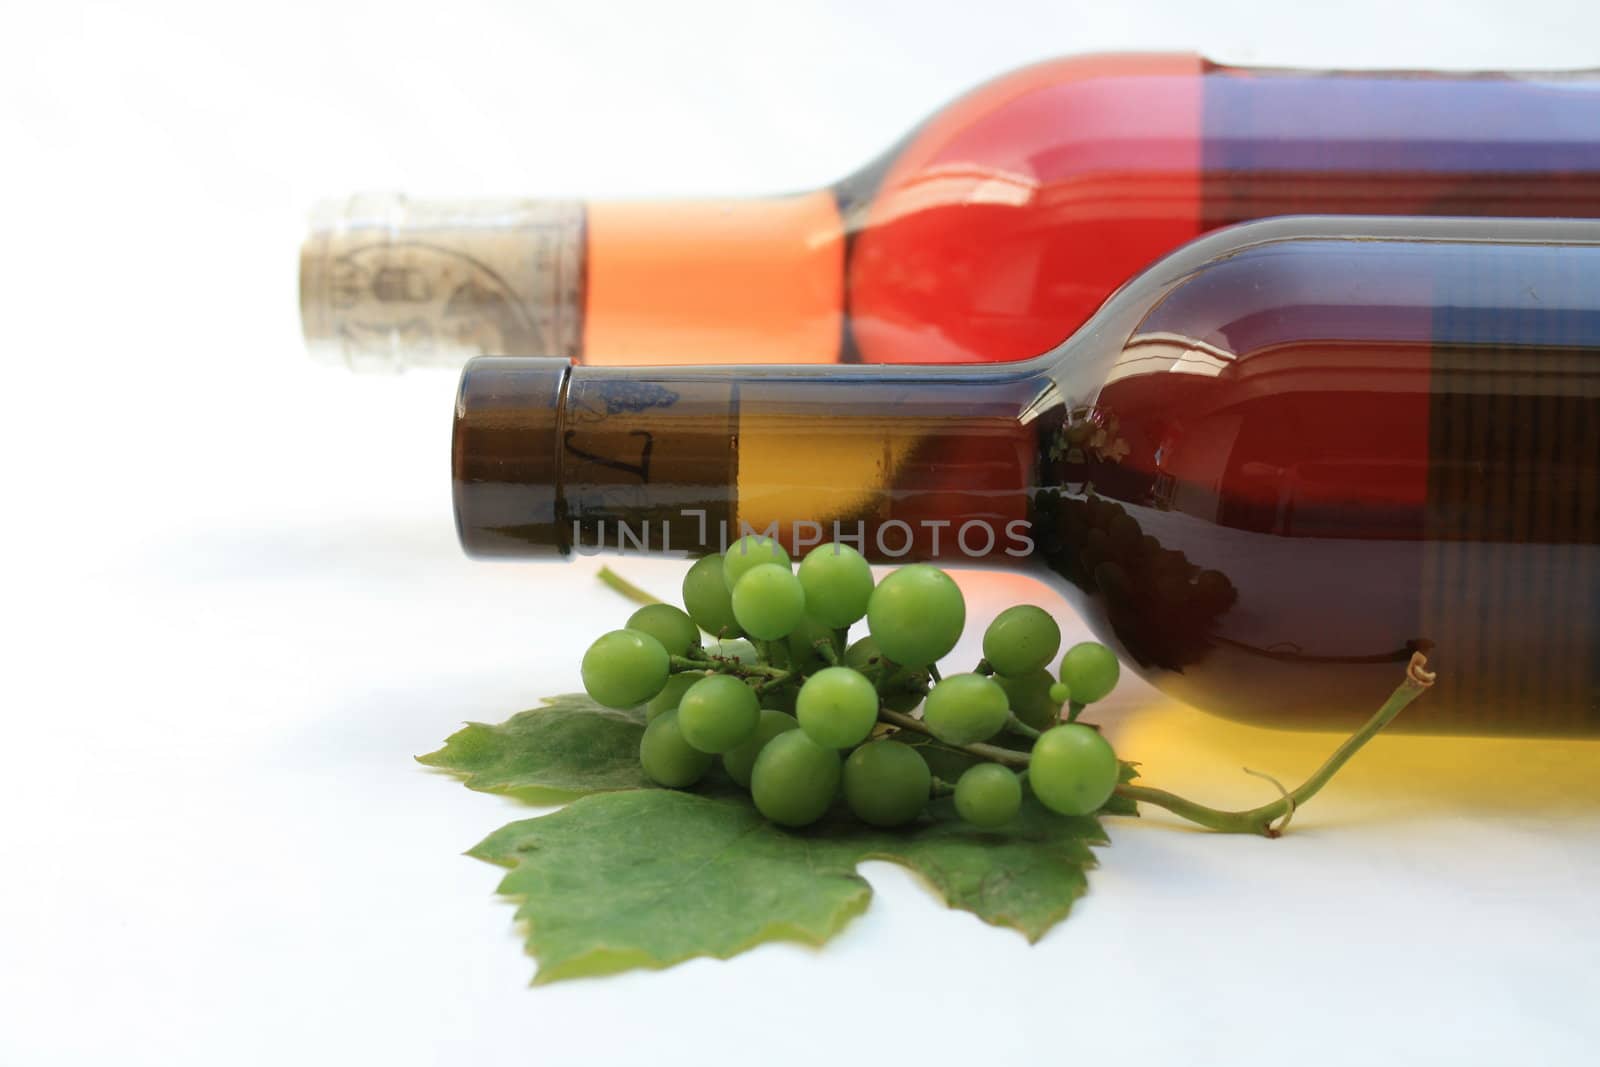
x=1267 y=471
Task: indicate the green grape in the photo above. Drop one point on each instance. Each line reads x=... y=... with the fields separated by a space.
x=837 y=707
x=718 y=712
x=671 y=693
x=1060 y=693
x=706 y=597
x=738 y=650
x=1021 y=640
x=1173 y=562
x=794 y=779
x=667 y=758
x=965 y=708
x=1090 y=670
x=1073 y=769
x=838 y=583
x=768 y=601
x=1030 y=698
x=624 y=668
x=905 y=691
x=1213 y=590
x=740 y=760
x=667 y=624
x=749 y=552
x=988 y=795
x=916 y=615
x=1126 y=536
x=886 y=783
x=1171 y=590
x=1096 y=549
x=802 y=642
x=899 y=689
x=1102 y=511
x=864 y=655
x=1112 y=580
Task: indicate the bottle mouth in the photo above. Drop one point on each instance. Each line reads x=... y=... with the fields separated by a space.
x=315 y=326
x=337 y=316
x=506 y=457
x=388 y=283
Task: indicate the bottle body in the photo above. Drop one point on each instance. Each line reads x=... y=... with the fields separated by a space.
x=1267 y=471
x=990 y=233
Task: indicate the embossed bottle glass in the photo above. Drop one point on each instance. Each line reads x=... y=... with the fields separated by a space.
x=1267 y=470
x=993 y=230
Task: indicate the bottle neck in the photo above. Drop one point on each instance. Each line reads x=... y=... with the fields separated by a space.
x=714 y=281
x=904 y=464
x=387 y=282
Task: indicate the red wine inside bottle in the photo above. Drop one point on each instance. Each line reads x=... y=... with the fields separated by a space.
x=1267 y=471
x=989 y=233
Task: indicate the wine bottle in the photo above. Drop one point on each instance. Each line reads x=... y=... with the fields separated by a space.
x=989 y=233
x=1269 y=469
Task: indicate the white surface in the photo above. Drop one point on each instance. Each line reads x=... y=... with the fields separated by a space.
x=235 y=608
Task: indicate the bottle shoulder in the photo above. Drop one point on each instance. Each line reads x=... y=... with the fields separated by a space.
x=1263 y=285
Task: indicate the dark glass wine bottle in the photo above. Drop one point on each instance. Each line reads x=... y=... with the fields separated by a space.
x=1267 y=470
x=989 y=233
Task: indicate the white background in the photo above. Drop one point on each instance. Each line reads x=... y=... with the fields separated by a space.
x=235 y=607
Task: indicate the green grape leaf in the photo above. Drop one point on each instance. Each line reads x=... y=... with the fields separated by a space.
x=654 y=877
x=1024 y=876
x=1120 y=805
x=637 y=876
x=565 y=748
x=650 y=878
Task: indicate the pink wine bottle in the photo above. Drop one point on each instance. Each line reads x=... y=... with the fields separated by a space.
x=989 y=233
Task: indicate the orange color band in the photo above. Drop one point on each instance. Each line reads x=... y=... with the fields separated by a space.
x=714 y=281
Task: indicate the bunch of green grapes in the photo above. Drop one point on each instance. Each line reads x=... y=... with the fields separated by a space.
x=806 y=719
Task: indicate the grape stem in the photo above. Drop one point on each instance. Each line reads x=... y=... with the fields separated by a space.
x=771 y=651
x=1074 y=709
x=772 y=683
x=1260 y=820
x=617 y=582
x=725 y=665
x=993 y=753
x=1268 y=820
x=1017 y=726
